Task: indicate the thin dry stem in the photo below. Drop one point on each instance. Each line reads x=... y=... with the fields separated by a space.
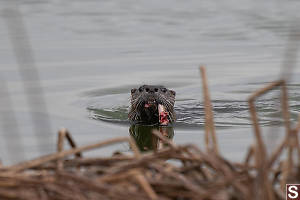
x=210 y=132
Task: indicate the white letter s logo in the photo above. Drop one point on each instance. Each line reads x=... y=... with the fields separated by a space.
x=293 y=189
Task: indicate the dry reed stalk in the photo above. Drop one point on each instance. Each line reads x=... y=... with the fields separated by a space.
x=164 y=139
x=260 y=144
x=277 y=152
x=86 y=162
x=286 y=116
x=251 y=101
x=265 y=89
x=53 y=157
x=210 y=132
x=60 y=147
x=146 y=186
x=179 y=177
x=226 y=169
x=291 y=140
x=285 y=107
x=297 y=130
x=139 y=176
x=97 y=161
x=297 y=144
x=62 y=134
x=288 y=167
x=117 y=177
x=262 y=163
x=284 y=174
x=298 y=124
x=143 y=161
x=249 y=155
x=134 y=147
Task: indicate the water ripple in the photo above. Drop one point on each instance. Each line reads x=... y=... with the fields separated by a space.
x=227 y=113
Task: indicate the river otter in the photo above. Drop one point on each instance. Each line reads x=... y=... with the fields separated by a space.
x=152 y=104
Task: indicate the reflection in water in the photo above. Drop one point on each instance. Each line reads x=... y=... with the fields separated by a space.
x=144 y=138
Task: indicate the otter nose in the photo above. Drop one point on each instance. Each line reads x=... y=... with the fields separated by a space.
x=151 y=90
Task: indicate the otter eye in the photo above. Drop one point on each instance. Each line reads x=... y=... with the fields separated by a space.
x=147 y=89
x=140 y=90
x=133 y=90
x=164 y=90
x=173 y=92
x=156 y=89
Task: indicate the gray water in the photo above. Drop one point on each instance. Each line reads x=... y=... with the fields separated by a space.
x=89 y=55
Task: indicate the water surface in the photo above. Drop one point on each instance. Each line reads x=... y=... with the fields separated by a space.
x=90 y=54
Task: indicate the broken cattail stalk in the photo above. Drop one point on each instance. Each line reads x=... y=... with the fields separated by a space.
x=210 y=133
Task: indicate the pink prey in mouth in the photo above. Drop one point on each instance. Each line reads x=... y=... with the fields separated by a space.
x=163 y=115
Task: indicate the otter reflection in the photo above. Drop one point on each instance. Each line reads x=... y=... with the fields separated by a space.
x=144 y=138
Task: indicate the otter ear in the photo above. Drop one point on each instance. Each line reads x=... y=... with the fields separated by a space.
x=173 y=92
x=133 y=90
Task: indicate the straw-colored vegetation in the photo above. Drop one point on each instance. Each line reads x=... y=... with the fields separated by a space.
x=194 y=174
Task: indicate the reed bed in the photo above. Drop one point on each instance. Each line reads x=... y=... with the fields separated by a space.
x=174 y=172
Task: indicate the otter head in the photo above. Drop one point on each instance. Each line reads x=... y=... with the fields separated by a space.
x=151 y=104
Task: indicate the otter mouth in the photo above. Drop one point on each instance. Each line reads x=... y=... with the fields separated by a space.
x=159 y=109
x=151 y=104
